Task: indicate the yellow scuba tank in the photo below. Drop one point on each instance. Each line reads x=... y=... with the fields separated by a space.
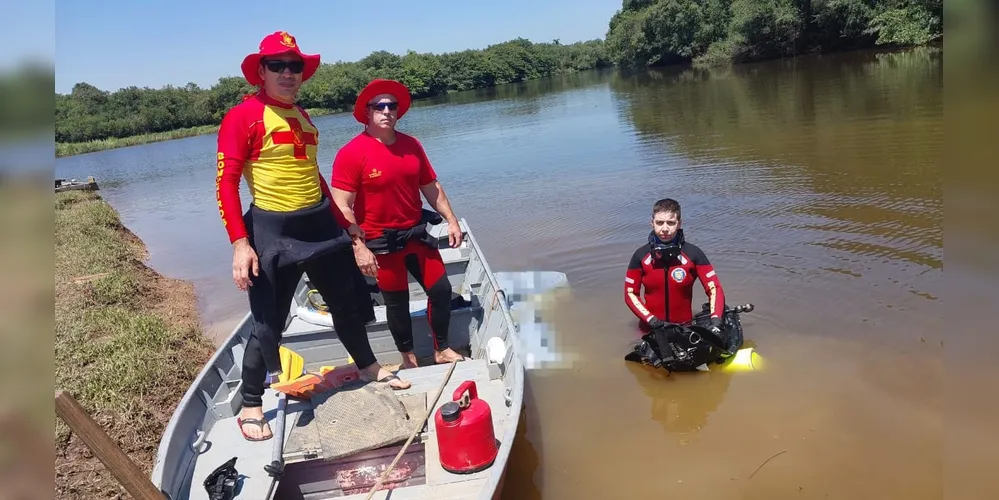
x=745 y=360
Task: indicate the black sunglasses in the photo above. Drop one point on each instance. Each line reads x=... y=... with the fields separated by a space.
x=392 y=106
x=279 y=66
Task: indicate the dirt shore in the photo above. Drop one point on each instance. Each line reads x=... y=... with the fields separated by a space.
x=128 y=342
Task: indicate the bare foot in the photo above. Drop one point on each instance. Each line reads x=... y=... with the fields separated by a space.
x=253 y=425
x=376 y=373
x=409 y=360
x=447 y=355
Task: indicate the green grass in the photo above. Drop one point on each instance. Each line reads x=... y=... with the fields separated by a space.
x=127 y=341
x=79 y=148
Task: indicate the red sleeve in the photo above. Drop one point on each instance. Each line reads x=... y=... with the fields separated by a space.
x=709 y=280
x=633 y=287
x=347 y=167
x=234 y=140
x=427 y=173
x=337 y=213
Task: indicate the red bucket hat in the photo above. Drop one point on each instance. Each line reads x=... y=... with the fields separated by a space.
x=279 y=42
x=378 y=87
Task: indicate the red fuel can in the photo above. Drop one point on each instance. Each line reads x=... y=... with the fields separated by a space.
x=465 y=432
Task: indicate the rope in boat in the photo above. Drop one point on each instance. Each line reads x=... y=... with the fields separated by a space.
x=416 y=430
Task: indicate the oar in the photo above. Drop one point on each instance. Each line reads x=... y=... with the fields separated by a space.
x=117 y=462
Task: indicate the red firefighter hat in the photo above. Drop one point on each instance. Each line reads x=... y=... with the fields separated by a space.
x=377 y=87
x=279 y=42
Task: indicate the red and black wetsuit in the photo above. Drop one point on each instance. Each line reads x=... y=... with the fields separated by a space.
x=669 y=285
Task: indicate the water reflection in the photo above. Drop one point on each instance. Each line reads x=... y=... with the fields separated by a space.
x=530 y=90
x=857 y=137
x=682 y=404
x=834 y=159
x=524 y=469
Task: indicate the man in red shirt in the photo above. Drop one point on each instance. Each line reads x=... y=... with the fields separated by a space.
x=666 y=268
x=377 y=179
x=291 y=226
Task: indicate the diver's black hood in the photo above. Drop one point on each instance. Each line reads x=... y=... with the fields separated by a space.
x=668 y=250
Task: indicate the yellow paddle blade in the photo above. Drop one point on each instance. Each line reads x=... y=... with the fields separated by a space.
x=292 y=365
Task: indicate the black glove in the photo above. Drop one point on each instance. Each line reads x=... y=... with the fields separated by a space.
x=643 y=353
x=716 y=324
x=716 y=328
x=656 y=323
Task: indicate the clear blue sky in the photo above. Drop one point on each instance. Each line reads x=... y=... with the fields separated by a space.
x=118 y=43
x=28 y=33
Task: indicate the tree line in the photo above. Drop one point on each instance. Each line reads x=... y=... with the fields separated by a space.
x=88 y=113
x=660 y=32
x=642 y=33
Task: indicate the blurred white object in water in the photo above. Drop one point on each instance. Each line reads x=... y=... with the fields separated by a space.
x=525 y=291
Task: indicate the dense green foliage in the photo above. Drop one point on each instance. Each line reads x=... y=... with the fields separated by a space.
x=88 y=113
x=660 y=32
x=642 y=33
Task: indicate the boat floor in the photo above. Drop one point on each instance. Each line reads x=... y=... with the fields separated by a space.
x=308 y=478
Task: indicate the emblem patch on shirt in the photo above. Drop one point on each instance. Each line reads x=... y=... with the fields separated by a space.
x=678 y=274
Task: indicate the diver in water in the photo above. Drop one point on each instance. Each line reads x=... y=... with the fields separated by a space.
x=666 y=267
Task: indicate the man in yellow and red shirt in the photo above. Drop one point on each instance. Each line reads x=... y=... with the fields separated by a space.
x=377 y=179
x=291 y=226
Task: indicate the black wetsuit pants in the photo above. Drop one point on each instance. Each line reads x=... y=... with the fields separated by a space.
x=288 y=244
x=426 y=265
x=333 y=278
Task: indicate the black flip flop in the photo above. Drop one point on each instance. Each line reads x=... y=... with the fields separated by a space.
x=254 y=421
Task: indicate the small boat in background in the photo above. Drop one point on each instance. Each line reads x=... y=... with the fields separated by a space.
x=75 y=185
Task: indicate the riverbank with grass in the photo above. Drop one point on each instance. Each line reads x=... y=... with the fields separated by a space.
x=128 y=341
x=79 y=148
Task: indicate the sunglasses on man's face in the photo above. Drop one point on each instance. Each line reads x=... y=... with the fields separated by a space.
x=391 y=106
x=279 y=66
